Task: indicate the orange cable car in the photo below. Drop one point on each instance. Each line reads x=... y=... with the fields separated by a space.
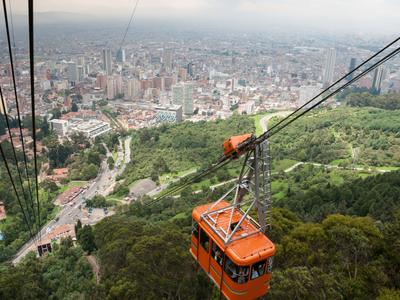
x=227 y=243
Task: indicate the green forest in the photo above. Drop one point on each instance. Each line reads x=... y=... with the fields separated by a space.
x=336 y=227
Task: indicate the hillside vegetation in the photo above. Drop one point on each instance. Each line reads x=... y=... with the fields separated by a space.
x=337 y=231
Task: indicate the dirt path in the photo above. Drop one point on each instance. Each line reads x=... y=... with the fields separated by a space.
x=95 y=266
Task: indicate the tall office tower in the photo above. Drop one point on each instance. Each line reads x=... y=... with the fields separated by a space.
x=188 y=98
x=118 y=84
x=182 y=94
x=81 y=73
x=158 y=83
x=329 y=67
x=72 y=73
x=107 y=61
x=111 y=88
x=352 y=65
x=132 y=89
x=177 y=94
x=190 y=69
x=101 y=81
x=121 y=55
x=167 y=59
x=379 y=75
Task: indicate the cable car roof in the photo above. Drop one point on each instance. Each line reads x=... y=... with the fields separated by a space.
x=248 y=245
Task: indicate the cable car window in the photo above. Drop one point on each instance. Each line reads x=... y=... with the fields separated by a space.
x=195 y=229
x=204 y=242
x=258 y=269
x=216 y=253
x=238 y=274
x=270 y=262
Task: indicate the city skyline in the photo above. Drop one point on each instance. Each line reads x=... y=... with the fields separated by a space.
x=331 y=16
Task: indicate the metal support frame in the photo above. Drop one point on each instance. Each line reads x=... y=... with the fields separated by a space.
x=255 y=181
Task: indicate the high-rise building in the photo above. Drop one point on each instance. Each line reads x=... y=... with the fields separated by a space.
x=177 y=94
x=158 y=83
x=111 y=88
x=107 y=67
x=132 y=89
x=121 y=55
x=352 y=65
x=101 y=81
x=118 y=84
x=379 y=75
x=329 y=67
x=167 y=59
x=81 y=73
x=190 y=69
x=182 y=94
x=188 y=98
x=72 y=73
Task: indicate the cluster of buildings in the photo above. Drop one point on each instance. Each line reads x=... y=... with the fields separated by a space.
x=208 y=76
x=84 y=122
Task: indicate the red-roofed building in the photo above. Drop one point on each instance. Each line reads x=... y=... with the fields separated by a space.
x=59 y=232
x=69 y=195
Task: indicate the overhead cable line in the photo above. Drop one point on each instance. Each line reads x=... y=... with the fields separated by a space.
x=32 y=73
x=15 y=190
x=13 y=149
x=268 y=133
x=129 y=23
x=333 y=84
x=224 y=160
x=16 y=102
x=16 y=94
x=190 y=181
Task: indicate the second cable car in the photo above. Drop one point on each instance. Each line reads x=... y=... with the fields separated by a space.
x=227 y=243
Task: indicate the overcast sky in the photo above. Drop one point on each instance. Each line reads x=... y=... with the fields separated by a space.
x=377 y=16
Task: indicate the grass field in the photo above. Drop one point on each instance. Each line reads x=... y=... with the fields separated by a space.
x=71 y=184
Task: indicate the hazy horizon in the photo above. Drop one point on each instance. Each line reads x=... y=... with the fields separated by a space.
x=335 y=16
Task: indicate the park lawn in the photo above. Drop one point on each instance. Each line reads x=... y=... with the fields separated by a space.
x=73 y=183
x=168 y=177
x=283 y=164
x=257 y=119
x=337 y=162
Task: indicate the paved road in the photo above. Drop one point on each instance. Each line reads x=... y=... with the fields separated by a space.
x=70 y=213
x=264 y=120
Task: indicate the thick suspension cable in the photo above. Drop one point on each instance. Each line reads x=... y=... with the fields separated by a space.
x=190 y=181
x=366 y=71
x=15 y=191
x=13 y=149
x=32 y=73
x=333 y=84
x=268 y=133
x=17 y=103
